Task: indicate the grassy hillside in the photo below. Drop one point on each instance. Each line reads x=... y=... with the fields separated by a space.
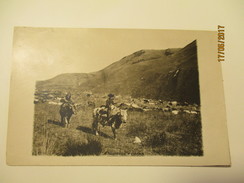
x=170 y=74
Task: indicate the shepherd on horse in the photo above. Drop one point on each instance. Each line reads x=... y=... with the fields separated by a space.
x=108 y=115
x=67 y=109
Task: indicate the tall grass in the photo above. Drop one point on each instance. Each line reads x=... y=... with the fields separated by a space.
x=168 y=134
x=51 y=138
x=161 y=134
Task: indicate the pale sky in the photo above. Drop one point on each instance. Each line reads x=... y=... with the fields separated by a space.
x=47 y=52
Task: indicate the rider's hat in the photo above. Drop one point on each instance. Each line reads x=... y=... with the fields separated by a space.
x=110 y=95
x=68 y=95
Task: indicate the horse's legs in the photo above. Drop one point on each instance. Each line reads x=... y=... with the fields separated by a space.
x=62 y=120
x=95 y=126
x=66 y=123
x=99 y=128
x=114 y=132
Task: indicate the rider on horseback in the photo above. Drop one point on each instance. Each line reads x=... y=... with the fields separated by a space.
x=110 y=104
x=106 y=112
x=68 y=101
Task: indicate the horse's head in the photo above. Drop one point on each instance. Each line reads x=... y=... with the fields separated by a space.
x=119 y=118
x=74 y=109
x=123 y=115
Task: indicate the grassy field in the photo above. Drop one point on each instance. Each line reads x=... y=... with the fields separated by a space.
x=161 y=133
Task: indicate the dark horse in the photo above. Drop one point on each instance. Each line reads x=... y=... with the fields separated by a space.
x=66 y=111
x=115 y=121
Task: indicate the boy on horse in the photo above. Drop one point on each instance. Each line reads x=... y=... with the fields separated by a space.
x=105 y=112
x=110 y=104
x=68 y=101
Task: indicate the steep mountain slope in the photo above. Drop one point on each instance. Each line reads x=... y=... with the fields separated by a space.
x=170 y=74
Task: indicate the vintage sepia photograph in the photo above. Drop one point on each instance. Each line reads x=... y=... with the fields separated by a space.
x=146 y=102
x=82 y=96
x=121 y=91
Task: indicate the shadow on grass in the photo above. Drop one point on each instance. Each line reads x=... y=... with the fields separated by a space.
x=76 y=148
x=90 y=131
x=58 y=123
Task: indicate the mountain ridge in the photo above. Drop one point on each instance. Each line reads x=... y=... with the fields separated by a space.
x=170 y=74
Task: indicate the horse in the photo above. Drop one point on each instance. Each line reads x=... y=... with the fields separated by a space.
x=66 y=111
x=115 y=120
